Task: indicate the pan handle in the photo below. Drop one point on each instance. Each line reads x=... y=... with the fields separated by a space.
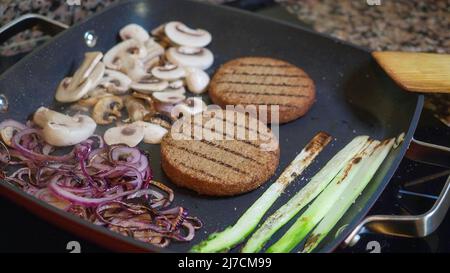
x=405 y=225
x=29 y=21
x=411 y=225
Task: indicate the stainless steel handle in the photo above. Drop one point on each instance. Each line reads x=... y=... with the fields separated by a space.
x=405 y=226
x=429 y=153
x=411 y=225
x=28 y=21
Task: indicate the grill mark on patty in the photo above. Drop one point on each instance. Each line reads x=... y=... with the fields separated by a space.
x=264 y=65
x=196 y=169
x=225 y=134
x=218 y=146
x=265 y=93
x=245 y=127
x=263 y=84
x=171 y=144
x=287 y=105
x=235 y=73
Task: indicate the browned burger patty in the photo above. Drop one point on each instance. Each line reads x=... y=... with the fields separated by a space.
x=264 y=81
x=220 y=167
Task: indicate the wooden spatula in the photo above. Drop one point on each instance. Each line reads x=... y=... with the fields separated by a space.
x=417 y=72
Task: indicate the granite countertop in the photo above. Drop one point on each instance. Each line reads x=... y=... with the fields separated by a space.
x=406 y=25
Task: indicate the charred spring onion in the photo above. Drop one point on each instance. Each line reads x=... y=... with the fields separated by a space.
x=369 y=166
x=323 y=203
x=305 y=195
x=235 y=234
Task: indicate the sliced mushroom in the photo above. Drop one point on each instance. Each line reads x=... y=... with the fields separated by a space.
x=201 y=58
x=134 y=31
x=134 y=68
x=128 y=134
x=116 y=56
x=93 y=96
x=62 y=130
x=10 y=128
x=149 y=84
x=136 y=108
x=115 y=82
x=183 y=35
x=178 y=84
x=159 y=119
x=190 y=107
x=158 y=31
x=197 y=80
x=161 y=37
x=85 y=78
x=168 y=72
x=147 y=99
x=91 y=59
x=153 y=133
x=148 y=65
x=170 y=97
x=107 y=110
x=153 y=50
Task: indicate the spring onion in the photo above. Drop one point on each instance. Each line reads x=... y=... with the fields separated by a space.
x=322 y=204
x=305 y=195
x=233 y=235
x=368 y=168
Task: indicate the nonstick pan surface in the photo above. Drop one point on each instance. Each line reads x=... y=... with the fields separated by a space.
x=354 y=97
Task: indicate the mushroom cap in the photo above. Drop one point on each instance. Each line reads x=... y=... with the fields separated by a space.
x=153 y=133
x=183 y=35
x=73 y=89
x=134 y=31
x=128 y=134
x=201 y=58
x=63 y=130
x=107 y=109
x=115 y=82
x=168 y=72
x=197 y=80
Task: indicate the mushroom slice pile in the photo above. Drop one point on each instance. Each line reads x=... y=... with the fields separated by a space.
x=128 y=134
x=87 y=76
x=201 y=58
x=62 y=130
x=197 y=80
x=189 y=107
x=168 y=72
x=115 y=82
x=107 y=110
x=134 y=31
x=182 y=35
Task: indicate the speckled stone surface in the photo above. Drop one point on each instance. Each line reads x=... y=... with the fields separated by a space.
x=404 y=25
x=407 y=25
